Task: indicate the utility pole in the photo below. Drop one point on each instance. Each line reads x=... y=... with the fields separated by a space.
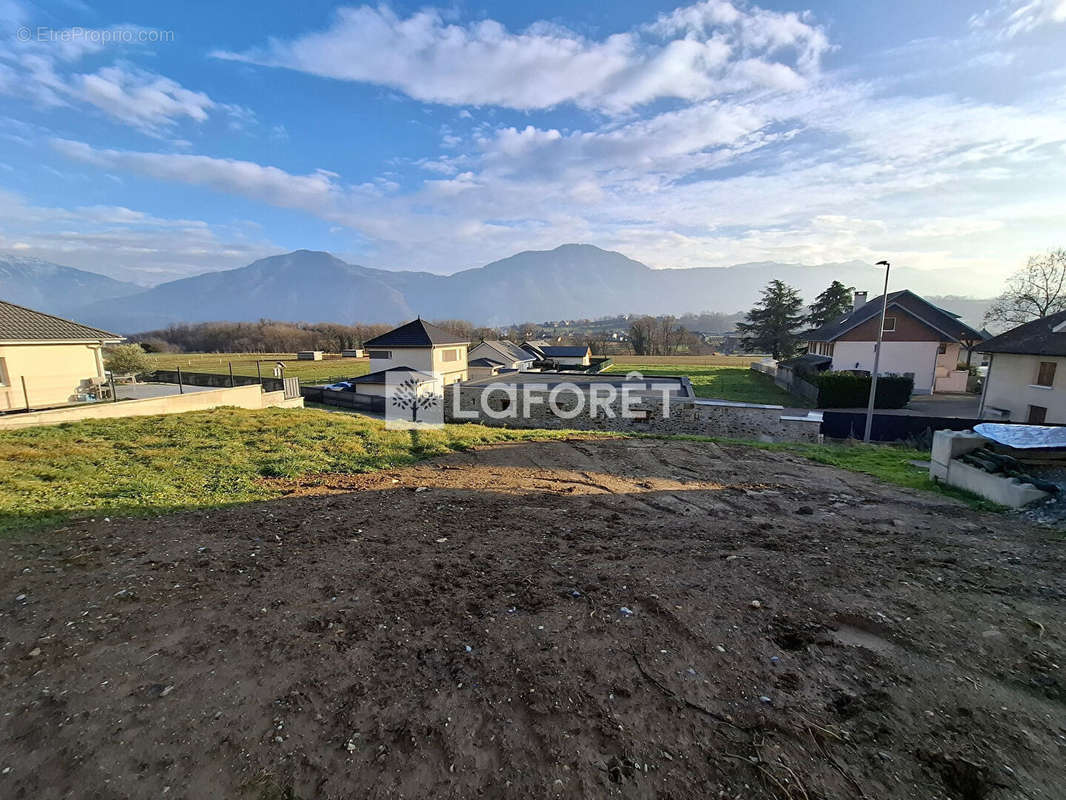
x=877 y=355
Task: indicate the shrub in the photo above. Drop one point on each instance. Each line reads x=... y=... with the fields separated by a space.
x=847 y=390
x=127 y=359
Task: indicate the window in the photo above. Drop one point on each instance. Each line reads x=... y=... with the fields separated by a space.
x=890 y=324
x=1037 y=415
x=380 y=354
x=1045 y=376
x=449 y=355
x=3 y=372
x=943 y=349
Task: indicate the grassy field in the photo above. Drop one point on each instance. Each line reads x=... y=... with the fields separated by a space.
x=718 y=381
x=706 y=361
x=244 y=364
x=152 y=465
x=200 y=459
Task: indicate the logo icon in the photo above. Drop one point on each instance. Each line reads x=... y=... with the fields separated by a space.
x=413 y=399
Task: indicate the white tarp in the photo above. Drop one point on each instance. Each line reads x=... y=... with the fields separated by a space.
x=1023 y=437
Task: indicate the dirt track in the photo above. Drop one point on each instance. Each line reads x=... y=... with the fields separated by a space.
x=456 y=631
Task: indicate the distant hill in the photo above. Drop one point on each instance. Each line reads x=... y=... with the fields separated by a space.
x=53 y=288
x=571 y=281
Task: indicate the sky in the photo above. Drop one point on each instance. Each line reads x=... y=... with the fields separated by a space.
x=151 y=141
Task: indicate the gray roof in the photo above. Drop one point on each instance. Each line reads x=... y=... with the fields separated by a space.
x=944 y=322
x=416 y=333
x=380 y=375
x=809 y=362
x=18 y=323
x=485 y=362
x=1037 y=338
x=508 y=349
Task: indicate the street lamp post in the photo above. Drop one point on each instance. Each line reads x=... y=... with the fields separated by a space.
x=877 y=355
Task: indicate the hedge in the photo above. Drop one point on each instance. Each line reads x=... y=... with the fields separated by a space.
x=846 y=390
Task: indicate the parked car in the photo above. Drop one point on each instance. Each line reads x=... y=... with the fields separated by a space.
x=341 y=386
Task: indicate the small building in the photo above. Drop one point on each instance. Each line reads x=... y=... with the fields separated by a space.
x=49 y=360
x=503 y=351
x=919 y=339
x=484 y=368
x=1026 y=380
x=309 y=355
x=423 y=347
x=353 y=353
x=374 y=383
x=562 y=355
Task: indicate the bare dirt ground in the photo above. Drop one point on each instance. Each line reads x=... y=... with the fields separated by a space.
x=622 y=618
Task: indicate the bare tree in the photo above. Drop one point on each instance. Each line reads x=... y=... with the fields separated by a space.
x=1032 y=292
x=642 y=335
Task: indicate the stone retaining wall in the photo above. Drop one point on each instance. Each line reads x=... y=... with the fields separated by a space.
x=686 y=416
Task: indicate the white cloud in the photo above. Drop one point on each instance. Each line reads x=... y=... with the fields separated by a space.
x=1011 y=18
x=697 y=52
x=45 y=72
x=138 y=98
x=318 y=193
x=125 y=243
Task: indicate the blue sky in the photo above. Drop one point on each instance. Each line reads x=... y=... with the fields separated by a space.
x=150 y=141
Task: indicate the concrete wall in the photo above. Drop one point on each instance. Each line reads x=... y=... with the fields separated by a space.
x=686 y=416
x=1010 y=385
x=425 y=359
x=240 y=396
x=945 y=467
x=54 y=373
x=896 y=357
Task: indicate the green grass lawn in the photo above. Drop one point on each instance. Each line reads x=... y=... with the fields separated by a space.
x=151 y=465
x=720 y=382
x=330 y=369
x=201 y=459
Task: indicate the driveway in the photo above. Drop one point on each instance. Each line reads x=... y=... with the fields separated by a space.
x=937 y=405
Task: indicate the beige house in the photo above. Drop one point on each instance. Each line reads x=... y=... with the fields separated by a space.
x=416 y=347
x=1026 y=379
x=48 y=361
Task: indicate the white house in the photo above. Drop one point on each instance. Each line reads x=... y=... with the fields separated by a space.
x=1026 y=380
x=417 y=347
x=503 y=352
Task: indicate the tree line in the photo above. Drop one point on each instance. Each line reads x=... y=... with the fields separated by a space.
x=269 y=336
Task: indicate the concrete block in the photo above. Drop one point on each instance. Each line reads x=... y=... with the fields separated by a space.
x=1008 y=492
x=952 y=444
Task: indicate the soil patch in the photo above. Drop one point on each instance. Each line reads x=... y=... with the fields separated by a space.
x=613 y=618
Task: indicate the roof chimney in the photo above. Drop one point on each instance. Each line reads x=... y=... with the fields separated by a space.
x=858 y=300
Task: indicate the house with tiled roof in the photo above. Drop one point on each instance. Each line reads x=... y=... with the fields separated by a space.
x=919 y=339
x=420 y=346
x=503 y=352
x=47 y=360
x=560 y=355
x=1026 y=380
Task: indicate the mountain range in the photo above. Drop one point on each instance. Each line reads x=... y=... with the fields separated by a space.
x=54 y=288
x=573 y=281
